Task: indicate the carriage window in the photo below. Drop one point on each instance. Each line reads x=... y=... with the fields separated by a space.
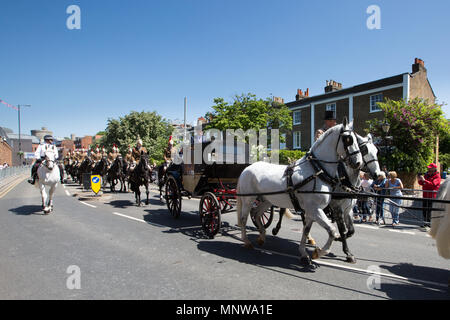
x=297 y=117
x=374 y=102
x=296 y=139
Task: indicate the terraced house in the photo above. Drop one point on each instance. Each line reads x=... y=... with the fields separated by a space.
x=357 y=103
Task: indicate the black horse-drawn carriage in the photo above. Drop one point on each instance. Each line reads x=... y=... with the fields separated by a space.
x=213 y=181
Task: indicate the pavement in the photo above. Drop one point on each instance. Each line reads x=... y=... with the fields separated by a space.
x=106 y=247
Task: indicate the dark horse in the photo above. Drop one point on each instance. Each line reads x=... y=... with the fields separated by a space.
x=85 y=167
x=117 y=172
x=101 y=169
x=141 y=175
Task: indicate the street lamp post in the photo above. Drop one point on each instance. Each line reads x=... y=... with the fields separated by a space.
x=385 y=126
x=20 y=141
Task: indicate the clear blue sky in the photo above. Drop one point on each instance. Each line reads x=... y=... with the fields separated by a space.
x=148 y=55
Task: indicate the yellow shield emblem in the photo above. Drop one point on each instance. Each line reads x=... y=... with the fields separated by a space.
x=96 y=183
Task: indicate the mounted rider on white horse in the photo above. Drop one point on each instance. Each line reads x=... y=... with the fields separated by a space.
x=39 y=155
x=48 y=173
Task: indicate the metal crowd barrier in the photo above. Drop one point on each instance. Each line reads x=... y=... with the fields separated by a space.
x=13 y=171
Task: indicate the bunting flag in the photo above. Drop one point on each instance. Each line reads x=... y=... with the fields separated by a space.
x=8 y=105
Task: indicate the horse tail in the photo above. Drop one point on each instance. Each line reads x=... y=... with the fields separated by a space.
x=238 y=205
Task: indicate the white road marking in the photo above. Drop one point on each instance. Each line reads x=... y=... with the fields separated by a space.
x=367 y=227
x=90 y=205
x=402 y=231
x=391 y=230
x=132 y=218
x=139 y=220
x=68 y=193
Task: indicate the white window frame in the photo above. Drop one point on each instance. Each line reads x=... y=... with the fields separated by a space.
x=373 y=102
x=331 y=107
x=300 y=117
x=296 y=143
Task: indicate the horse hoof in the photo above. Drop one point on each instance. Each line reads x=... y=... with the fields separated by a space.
x=311 y=242
x=260 y=242
x=305 y=261
x=275 y=231
x=351 y=259
x=248 y=245
x=315 y=254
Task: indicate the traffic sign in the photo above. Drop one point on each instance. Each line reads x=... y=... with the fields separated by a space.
x=96 y=183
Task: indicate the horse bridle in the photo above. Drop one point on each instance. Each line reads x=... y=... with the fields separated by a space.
x=347 y=140
x=46 y=161
x=364 y=152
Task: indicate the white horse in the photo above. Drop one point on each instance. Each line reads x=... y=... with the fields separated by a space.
x=314 y=172
x=342 y=209
x=48 y=175
x=440 y=222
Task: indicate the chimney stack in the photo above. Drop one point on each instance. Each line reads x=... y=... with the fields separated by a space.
x=419 y=65
x=333 y=86
x=300 y=95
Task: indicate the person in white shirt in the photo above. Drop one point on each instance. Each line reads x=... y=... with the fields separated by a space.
x=39 y=155
x=366 y=184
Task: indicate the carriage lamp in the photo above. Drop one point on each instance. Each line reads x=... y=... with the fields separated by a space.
x=385 y=126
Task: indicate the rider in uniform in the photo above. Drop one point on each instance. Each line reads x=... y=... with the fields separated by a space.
x=129 y=155
x=136 y=153
x=48 y=146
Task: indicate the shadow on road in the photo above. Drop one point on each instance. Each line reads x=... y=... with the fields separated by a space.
x=121 y=204
x=27 y=210
x=418 y=273
x=187 y=224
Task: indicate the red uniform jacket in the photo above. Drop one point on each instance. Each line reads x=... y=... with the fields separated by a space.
x=432 y=182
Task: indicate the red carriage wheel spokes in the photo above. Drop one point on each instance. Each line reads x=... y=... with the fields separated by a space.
x=173 y=197
x=266 y=218
x=210 y=214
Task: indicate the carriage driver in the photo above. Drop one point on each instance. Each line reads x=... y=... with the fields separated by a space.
x=39 y=155
x=329 y=122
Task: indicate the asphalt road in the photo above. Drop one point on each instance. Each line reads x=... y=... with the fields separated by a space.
x=121 y=251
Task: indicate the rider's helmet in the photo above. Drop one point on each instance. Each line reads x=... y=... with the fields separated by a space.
x=171 y=141
x=48 y=138
x=139 y=143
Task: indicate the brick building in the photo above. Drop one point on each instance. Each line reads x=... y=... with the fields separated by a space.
x=5 y=152
x=357 y=103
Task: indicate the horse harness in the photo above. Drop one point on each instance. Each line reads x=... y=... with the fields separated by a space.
x=321 y=173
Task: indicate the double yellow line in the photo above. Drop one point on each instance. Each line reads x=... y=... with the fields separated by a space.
x=13 y=184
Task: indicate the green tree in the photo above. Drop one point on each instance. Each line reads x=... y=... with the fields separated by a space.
x=149 y=126
x=414 y=126
x=248 y=112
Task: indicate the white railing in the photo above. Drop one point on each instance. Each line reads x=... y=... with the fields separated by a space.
x=13 y=171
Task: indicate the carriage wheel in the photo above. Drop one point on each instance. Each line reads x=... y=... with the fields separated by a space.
x=210 y=214
x=266 y=217
x=225 y=206
x=173 y=197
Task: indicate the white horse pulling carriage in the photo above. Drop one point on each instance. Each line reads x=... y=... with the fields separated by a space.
x=307 y=184
x=48 y=175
